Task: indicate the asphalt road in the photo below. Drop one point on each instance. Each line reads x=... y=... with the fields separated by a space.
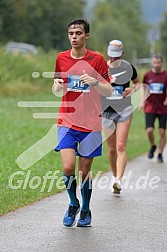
x=135 y=221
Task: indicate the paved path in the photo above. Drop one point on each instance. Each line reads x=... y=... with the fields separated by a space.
x=135 y=221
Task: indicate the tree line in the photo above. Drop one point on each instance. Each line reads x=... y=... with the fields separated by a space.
x=40 y=22
x=44 y=23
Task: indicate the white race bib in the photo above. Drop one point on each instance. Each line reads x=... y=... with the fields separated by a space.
x=156 y=88
x=75 y=84
x=116 y=93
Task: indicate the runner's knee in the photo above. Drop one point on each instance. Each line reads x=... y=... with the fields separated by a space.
x=162 y=133
x=112 y=150
x=121 y=147
x=149 y=130
x=68 y=169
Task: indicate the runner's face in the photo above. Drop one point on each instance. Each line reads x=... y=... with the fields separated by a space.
x=156 y=64
x=112 y=59
x=77 y=36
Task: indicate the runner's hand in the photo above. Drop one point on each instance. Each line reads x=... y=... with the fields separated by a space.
x=141 y=107
x=58 y=84
x=127 y=91
x=86 y=79
x=165 y=102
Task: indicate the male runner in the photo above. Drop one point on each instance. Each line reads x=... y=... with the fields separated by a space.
x=83 y=76
x=156 y=105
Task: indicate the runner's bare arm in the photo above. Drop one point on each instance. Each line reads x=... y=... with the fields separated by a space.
x=102 y=89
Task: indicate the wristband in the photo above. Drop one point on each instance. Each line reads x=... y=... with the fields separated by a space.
x=95 y=84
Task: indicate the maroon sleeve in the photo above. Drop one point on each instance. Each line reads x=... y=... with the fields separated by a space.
x=144 y=79
x=166 y=83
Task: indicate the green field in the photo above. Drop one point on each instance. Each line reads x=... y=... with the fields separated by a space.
x=19 y=131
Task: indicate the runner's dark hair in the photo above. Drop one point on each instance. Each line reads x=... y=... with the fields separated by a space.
x=83 y=22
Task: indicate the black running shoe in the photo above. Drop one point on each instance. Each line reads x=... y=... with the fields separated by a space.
x=160 y=158
x=151 y=152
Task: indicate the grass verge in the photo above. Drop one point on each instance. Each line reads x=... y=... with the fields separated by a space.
x=19 y=131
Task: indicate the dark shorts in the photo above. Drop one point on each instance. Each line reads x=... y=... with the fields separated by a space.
x=150 y=120
x=86 y=144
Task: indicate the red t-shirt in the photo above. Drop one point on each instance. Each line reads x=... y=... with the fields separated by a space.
x=158 y=88
x=81 y=105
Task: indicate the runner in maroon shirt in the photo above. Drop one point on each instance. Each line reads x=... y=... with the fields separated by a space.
x=156 y=105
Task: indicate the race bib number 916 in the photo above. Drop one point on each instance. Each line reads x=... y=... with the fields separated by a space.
x=75 y=85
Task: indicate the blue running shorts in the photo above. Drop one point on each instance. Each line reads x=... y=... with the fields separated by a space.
x=86 y=144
